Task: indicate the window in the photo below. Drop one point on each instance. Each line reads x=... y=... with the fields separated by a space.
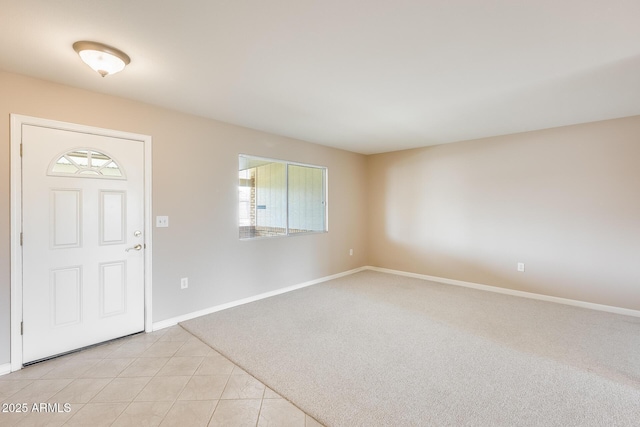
x=86 y=163
x=278 y=198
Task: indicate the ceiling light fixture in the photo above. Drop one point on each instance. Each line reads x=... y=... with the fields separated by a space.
x=102 y=58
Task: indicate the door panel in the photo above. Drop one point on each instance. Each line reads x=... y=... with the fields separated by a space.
x=66 y=218
x=83 y=207
x=113 y=218
x=113 y=285
x=65 y=303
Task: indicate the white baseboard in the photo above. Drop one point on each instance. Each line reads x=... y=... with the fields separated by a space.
x=600 y=307
x=565 y=301
x=175 y=320
x=5 y=369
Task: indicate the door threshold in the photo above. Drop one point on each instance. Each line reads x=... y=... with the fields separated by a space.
x=78 y=350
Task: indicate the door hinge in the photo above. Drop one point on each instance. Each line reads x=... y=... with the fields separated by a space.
x=21 y=328
x=20 y=239
x=21 y=150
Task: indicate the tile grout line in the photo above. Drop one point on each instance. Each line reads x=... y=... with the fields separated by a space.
x=93 y=361
x=193 y=348
x=183 y=387
x=228 y=376
x=118 y=376
x=112 y=379
x=261 y=402
x=71 y=361
x=151 y=378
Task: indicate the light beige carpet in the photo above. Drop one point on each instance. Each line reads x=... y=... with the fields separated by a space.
x=374 y=349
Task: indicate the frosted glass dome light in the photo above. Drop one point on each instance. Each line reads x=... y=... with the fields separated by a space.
x=102 y=58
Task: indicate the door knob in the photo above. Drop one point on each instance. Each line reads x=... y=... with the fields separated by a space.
x=135 y=248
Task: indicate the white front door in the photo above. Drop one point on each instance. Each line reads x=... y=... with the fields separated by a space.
x=83 y=239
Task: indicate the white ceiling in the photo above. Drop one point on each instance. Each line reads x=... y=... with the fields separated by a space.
x=365 y=75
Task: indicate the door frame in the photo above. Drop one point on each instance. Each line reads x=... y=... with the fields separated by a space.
x=17 y=122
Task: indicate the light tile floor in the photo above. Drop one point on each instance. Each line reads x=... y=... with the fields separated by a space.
x=164 y=378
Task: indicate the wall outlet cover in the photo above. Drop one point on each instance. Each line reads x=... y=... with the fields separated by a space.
x=162 y=221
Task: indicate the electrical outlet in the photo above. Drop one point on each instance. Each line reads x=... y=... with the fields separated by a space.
x=521 y=267
x=184 y=283
x=350 y=252
x=162 y=221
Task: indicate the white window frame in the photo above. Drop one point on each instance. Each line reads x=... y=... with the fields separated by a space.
x=325 y=185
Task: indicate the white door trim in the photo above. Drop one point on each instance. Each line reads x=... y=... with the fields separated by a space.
x=17 y=121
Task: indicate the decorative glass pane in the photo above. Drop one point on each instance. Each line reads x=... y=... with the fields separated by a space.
x=99 y=159
x=111 y=169
x=80 y=157
x=88 y=163
x=64 y=168
x=63 y=161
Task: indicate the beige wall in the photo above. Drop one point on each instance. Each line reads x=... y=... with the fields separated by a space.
x=564 y=201
x=195 y=170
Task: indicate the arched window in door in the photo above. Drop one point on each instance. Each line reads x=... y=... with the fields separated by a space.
x=86 y=163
